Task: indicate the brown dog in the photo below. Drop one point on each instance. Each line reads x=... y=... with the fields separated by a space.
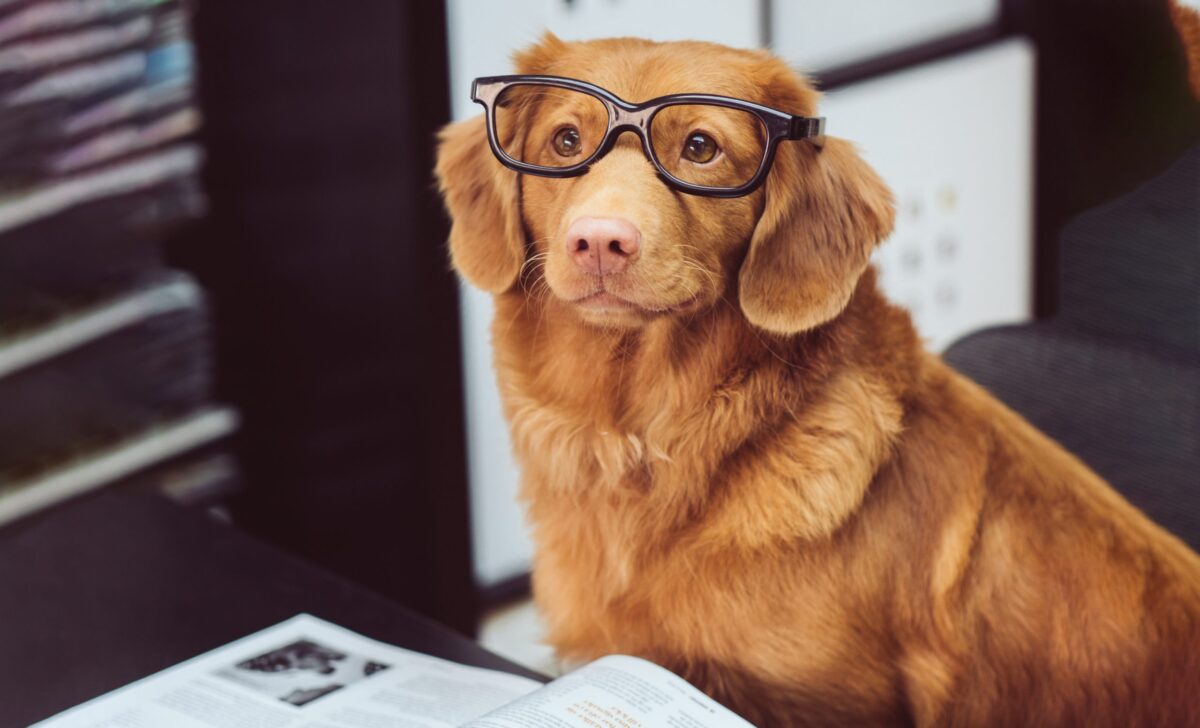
x=740 y=463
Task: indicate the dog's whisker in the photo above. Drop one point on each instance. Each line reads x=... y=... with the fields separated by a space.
x=532 y=261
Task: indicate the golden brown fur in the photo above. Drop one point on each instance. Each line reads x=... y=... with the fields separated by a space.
x=1187 y=24
x=761 y=481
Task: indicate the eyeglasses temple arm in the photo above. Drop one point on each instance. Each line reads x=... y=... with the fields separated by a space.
x=811 y=128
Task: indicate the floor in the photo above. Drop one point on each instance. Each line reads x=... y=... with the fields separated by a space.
x=516 y=631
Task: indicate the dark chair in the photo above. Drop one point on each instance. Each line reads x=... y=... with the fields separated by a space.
x=1115 y=376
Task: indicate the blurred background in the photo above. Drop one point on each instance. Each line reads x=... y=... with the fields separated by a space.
x=222 y=262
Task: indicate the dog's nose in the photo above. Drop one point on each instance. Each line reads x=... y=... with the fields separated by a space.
x=602 y=245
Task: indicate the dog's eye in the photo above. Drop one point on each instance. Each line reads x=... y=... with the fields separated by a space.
x=699 y=148
x=567 y=141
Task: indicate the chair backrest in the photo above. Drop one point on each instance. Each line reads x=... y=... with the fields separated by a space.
x=1115 y=377
x=1131 y=268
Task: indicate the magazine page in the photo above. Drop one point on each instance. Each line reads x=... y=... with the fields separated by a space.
x=306 y=673
x=615 y=692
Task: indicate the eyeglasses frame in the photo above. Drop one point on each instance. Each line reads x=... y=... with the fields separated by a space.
x=625 y=116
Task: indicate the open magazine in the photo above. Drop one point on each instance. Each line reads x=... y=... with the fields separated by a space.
x=309 y=673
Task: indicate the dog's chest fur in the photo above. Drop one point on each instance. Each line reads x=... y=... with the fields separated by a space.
x=652 y=489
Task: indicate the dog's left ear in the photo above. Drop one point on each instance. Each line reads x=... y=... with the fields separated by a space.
x=825 y=212
x=487 y=238
x=487 y=241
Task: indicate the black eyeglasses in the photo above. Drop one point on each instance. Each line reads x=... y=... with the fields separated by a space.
x=701 y=144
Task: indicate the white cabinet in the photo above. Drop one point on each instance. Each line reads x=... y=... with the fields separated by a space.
x=954 y=141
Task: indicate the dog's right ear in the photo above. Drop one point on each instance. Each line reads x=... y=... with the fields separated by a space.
x=487 y=241
x=826 y=210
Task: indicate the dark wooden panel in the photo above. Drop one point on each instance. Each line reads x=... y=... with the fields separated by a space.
x=336 y=313
x=1113 y=109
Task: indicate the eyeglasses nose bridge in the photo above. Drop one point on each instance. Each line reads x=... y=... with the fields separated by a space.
x=638 y=119
x=632 y=120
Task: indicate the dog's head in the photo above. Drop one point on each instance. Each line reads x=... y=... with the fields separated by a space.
x=620 y=247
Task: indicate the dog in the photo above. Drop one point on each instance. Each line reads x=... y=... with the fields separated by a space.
x=739 y=462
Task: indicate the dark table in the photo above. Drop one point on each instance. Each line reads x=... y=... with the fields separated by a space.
x=103 y=591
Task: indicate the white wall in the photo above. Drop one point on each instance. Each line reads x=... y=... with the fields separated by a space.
x=826 y=33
